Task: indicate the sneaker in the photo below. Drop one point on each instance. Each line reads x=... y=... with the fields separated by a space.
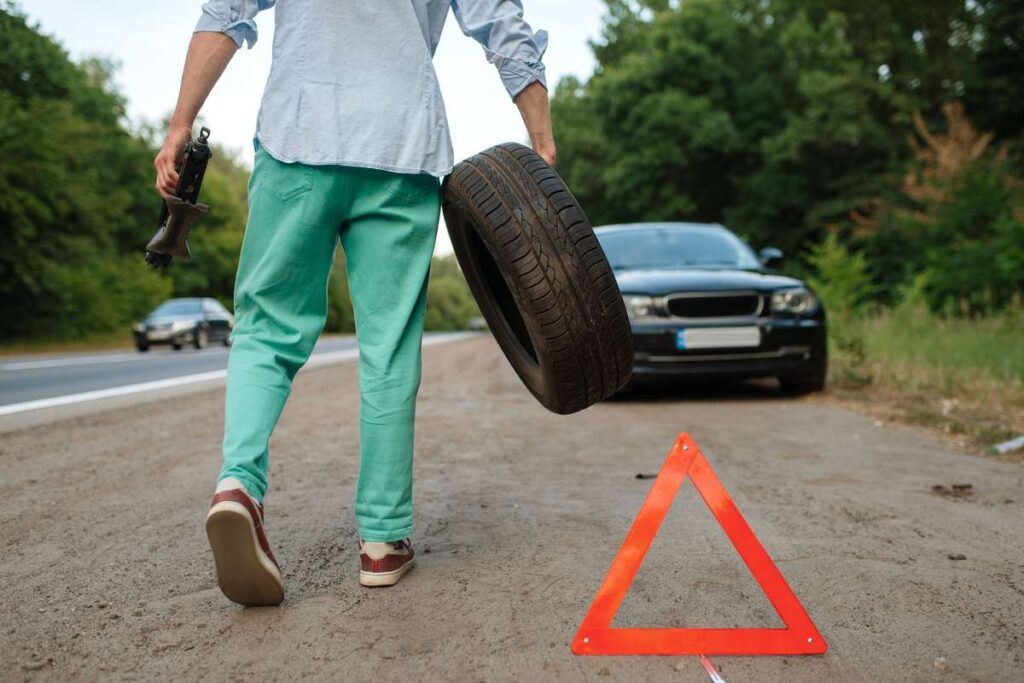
x=247 y=571
x=383 y=564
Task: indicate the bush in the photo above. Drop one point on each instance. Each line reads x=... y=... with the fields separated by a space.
x=843 y=282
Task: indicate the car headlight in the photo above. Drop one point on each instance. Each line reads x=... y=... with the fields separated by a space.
x=639 y=307
x=795 y=301
x=181 y=325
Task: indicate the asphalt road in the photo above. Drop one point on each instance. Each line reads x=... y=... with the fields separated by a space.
x=30 y=378
x=105 y=573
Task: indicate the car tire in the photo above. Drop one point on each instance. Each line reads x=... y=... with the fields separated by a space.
x=143 y=348
x=804 y=382
x=539 y=276
x=176 y=346
x=200 y=338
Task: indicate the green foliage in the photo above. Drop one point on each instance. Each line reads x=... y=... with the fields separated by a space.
x=995 y=94
x=70 y=179
x=974 y=247
x=728 y=110
x=449 y=303
x=843 y=283
x=77 y=204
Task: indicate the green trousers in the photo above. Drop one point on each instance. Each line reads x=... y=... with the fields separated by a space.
x=387 y=223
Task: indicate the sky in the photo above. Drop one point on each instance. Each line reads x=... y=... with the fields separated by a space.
x=148 y=40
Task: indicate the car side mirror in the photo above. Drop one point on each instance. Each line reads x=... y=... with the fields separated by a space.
x=771 y=257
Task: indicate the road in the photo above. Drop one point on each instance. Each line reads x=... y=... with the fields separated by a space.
x=105 y=572
x=31 y=378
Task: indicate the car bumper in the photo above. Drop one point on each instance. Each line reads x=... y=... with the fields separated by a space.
x=152 y=337
x=787 y=346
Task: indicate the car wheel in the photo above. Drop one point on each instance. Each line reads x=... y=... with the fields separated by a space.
x=176 y=346
x=200 y=338
x=798 y=384
x=540 y=277
x=142 y=347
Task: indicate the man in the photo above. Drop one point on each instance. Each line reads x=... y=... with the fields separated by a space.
x=350 y=144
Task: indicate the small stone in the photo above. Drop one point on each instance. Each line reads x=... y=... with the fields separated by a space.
x=941 y=664
x=682 y=665
x=956 y=557
x=604 y=672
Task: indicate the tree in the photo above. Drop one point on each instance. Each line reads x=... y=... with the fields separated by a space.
x=727 y=110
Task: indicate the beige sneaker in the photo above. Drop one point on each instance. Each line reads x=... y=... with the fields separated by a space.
x=247 y=570
x=383 y=564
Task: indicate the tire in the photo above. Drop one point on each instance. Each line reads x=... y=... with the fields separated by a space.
x=143 y=348
x=200 y=338
x=540 y=277
x=176 y=346
x=806 y=381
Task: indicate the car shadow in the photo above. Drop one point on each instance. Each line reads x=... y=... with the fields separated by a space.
x=702 y=391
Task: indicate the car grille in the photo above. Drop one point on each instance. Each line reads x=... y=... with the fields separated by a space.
x=724 y=305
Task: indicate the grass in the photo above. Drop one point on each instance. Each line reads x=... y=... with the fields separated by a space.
x=963 y=376
x=118 y=340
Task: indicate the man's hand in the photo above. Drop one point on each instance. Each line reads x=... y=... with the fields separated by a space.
x=168 y=158
x=208 y=55
x=533 y=106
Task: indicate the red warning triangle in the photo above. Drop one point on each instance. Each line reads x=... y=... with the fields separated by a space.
x=596 y=635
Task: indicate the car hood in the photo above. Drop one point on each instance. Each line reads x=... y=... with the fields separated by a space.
x=661 y=282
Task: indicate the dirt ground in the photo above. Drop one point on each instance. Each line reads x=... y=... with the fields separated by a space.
x=105 y=572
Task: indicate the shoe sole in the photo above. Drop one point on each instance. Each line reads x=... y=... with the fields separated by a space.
x=381 y=579
x=244 y=572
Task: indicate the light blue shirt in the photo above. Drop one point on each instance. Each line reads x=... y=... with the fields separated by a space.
x=352 y=82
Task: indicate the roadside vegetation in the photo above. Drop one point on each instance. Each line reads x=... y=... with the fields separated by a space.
x=880 y=144
x=77 y=206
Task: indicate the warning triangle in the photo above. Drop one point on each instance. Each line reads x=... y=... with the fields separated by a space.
x=596 y=636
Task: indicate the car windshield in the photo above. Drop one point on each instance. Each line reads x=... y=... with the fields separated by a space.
x=663 y=247
x=169 y=308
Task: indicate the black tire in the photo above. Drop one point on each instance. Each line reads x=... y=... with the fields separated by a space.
x=200 y=338
x=539 y=276
x=176 y=346
x=806 y=381
x=143 y=348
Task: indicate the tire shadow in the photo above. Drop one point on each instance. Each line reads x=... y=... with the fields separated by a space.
x=679 y=391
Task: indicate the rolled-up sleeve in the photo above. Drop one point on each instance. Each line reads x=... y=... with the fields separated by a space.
x=234 y=18
x=508 y=41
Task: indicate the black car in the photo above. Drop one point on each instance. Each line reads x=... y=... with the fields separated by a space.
x=185 y=321
x=702 y=304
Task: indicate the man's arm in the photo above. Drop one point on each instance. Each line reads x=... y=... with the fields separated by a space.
x=512 y=46
x=208 y=56
x=533 y=106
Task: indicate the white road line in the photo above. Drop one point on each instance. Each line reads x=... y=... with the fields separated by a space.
x=126 y=390
x=342 y=356
x=97 y=360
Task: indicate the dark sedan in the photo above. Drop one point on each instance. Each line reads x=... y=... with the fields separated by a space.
x=185 y=321
x=702 y=304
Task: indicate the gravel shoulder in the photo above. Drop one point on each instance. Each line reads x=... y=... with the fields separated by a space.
x=105 y=572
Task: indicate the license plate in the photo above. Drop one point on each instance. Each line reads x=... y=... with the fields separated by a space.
x=718 y=338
